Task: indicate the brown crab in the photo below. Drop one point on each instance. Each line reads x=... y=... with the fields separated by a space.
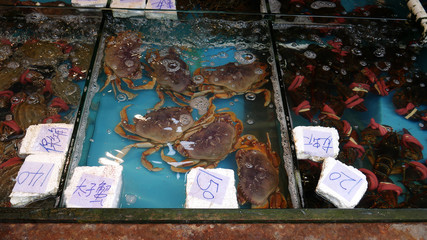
x=155 y=130
x=66 y=89
x=206 y=144
x=10 y=75
x=170 y=75
x=234 y=79
x=122 y=61
x=28 y=110
x=258 y=171
x=41 y=53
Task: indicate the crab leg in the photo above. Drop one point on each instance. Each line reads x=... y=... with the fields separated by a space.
x=127 y=148
x=131 y=85
x=173 y=97
x=148 y=165
x=177 y=166
x=162 y=98
x=107 y=82
x=119 y=130
x=120 y=89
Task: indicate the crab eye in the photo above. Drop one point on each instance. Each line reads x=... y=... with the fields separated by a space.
x=15 y=99
x=33 y=99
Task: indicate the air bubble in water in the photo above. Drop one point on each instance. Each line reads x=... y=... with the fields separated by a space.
x=363 y=63
x=259 y=71
x=380 y=52
x=109 y=131
x=326 y=68
x=250 y=96
x=248 y=165
x=322 y=4
x=244 y=57
x=130 y=199
x=356 y=51
x=171 y=65
x=310 y=54
x=197 y=79
x=121 y=97
x=250 y=121
x=129 y=63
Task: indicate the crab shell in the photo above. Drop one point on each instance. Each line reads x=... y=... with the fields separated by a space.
x=213 y=142
x=40 y=53
x=169 y=70
x=32 y=111
x=235 y=77
x=122 y=55
x=164 y=125
x=258 y=175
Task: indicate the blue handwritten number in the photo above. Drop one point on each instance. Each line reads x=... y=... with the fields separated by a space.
x=335 y=176
x=35 y=176
x=208 y=194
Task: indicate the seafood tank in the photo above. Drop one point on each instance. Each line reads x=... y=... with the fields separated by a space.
x=160 y=94
x=45 y=60
x=183 y=94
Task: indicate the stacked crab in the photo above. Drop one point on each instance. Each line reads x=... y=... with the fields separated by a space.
x=203 y=142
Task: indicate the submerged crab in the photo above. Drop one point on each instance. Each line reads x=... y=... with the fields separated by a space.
x=28 y=110
x=40 y=53
x=206 y=144
x=155 y=130
x=171 y=74
x=233 y=79
x=122 y=61
x=258 y=171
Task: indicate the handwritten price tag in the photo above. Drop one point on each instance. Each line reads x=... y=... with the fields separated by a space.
x=91 y=191
x=209 y=186
x=53 y=139
x=318 y=143
x=163 y=4
x=343 y=181
x=33 y=177
x=342 y=185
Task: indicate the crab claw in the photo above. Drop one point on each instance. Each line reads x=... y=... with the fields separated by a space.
x=12 y=124
x=372 y=179
x=304 y=109
x=383 y=130
x=356 y=101
x=58 y=102
x=405 y=110
x=6 y=93
x=52 y=119
x=353 y=144
x=386 y=186
x=417 y=169
x=329 y=112
x=298 y=80
x=24 y=77
x=47 y=87
x=11 y=162
x=407 y=138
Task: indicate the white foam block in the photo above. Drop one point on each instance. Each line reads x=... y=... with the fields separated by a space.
x=162 y=5
x=316 y=143
x=341 y=184
x=89 y=3
x=211 y=188
x=37 y=178
x=94 y=187
x=136 y=4
x=47 y=138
